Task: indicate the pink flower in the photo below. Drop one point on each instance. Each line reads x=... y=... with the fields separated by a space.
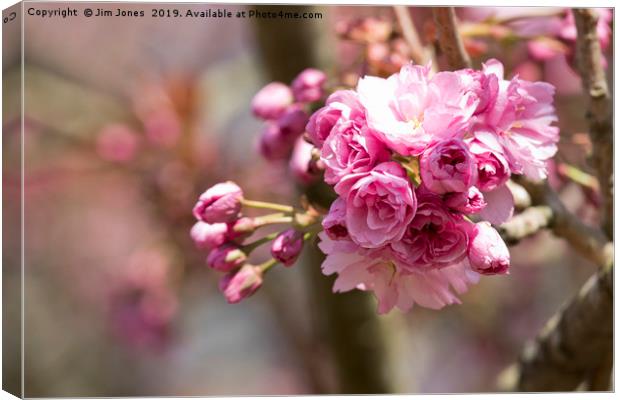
x=301 y=165
x=272 y=100
x=349 y=152
x=163 y=127
x=308 y=85
x=208 y=236
x=225 y=258
x=448 y=166
x=493 y=169
x=409 y=109
x=293 y=122
x=274 y=144
x=520 y=121
x=484 y=87
x=220 y=203
x=392 y=286
x=469 y=202
x=488 y=253
x=380 y=206
x=436 y=238
x=287 y=246
x=340 y=105
x=117 y=142
x=334 y=223
x=241 y=284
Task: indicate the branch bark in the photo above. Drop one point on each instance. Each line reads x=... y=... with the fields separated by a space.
x=589 y=60
x=418 y=53
x=572 y=343
x=450 y=41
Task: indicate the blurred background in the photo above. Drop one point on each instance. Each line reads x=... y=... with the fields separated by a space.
x=128 y=120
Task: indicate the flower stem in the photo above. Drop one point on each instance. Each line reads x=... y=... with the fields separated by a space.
x=277 y=218
x=266 y=205
x=264 y=267
x=248 y=248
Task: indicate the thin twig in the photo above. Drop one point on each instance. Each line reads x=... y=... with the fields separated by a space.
x=589 y=60
x=410 y=34
x=572 y=344
x=450 y=42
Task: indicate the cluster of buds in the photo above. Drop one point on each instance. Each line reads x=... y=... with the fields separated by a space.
x=285 y=110
x=222 y=231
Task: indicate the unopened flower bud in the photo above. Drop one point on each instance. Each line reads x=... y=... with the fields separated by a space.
x=469 y=202
x=238 y=285
x=488 y=253
x=225 y=258
x=308 y=85
x=334 y=222
x=241 y=228
x=287 y=246
x=208 y=236
x=293 y=122
x=220 y=203
x=272 y=100
x=301 y=164
x=274 y=144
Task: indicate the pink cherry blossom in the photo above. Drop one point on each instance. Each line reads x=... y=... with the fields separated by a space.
x=342 y=104
x=488 y=253
x=272 y=100
x=448 y=166
x=334 y=223
x=274 y=144
x=409 y=110
x=380 y=206
x=469 y=202
x=220 y=203
x=493 y=169
x=350 y=151
x=435 y=238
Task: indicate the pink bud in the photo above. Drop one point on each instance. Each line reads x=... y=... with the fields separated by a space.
x=293 y=122
x=240 y=229
x=287 y=246
x=448 y=166
x=271 y=101
x=301 y=164
x=208 y=236
x=308 y=85
x=273 y=145
x=488 y=253
x=469 y=202
x=163 y=127
x=220 y=203
x=334 y=222
x=225 y=258
x=241 y=284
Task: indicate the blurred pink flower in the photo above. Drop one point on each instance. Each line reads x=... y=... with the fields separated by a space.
x=162 y=127
x=308 y=85
x=272 y=100
x=117 y=142
x=301 y=165
x=287 y=246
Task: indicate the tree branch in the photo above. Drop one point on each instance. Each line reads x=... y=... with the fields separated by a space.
x=589 y=60
x=418 y=54
x=527 y=223
x=450 y=41
x=572 y=343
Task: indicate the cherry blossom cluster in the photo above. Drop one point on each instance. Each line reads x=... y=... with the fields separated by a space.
x=420 y=164
x=415 y=159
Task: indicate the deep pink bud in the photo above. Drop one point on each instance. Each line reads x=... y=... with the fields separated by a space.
x=273 y=144
x=293 y=122
x=469 y=202
x=287 y=246
x=241 y=284
x=220 y=203
x=308 y=85
x=225 y=258
x=334 y=222
x=208 y=236
x=488 y=253
x=271 y=101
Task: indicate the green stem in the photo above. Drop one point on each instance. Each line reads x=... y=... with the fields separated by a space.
x=248 y=248
x=269 y=206
x=278 y=218
x=264 y=267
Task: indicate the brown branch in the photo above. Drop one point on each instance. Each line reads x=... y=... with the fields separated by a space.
x=418 y=54
x=450 y=42
x=589 y=241
x=527 y=223
x=589 y=60
x=572 y=343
